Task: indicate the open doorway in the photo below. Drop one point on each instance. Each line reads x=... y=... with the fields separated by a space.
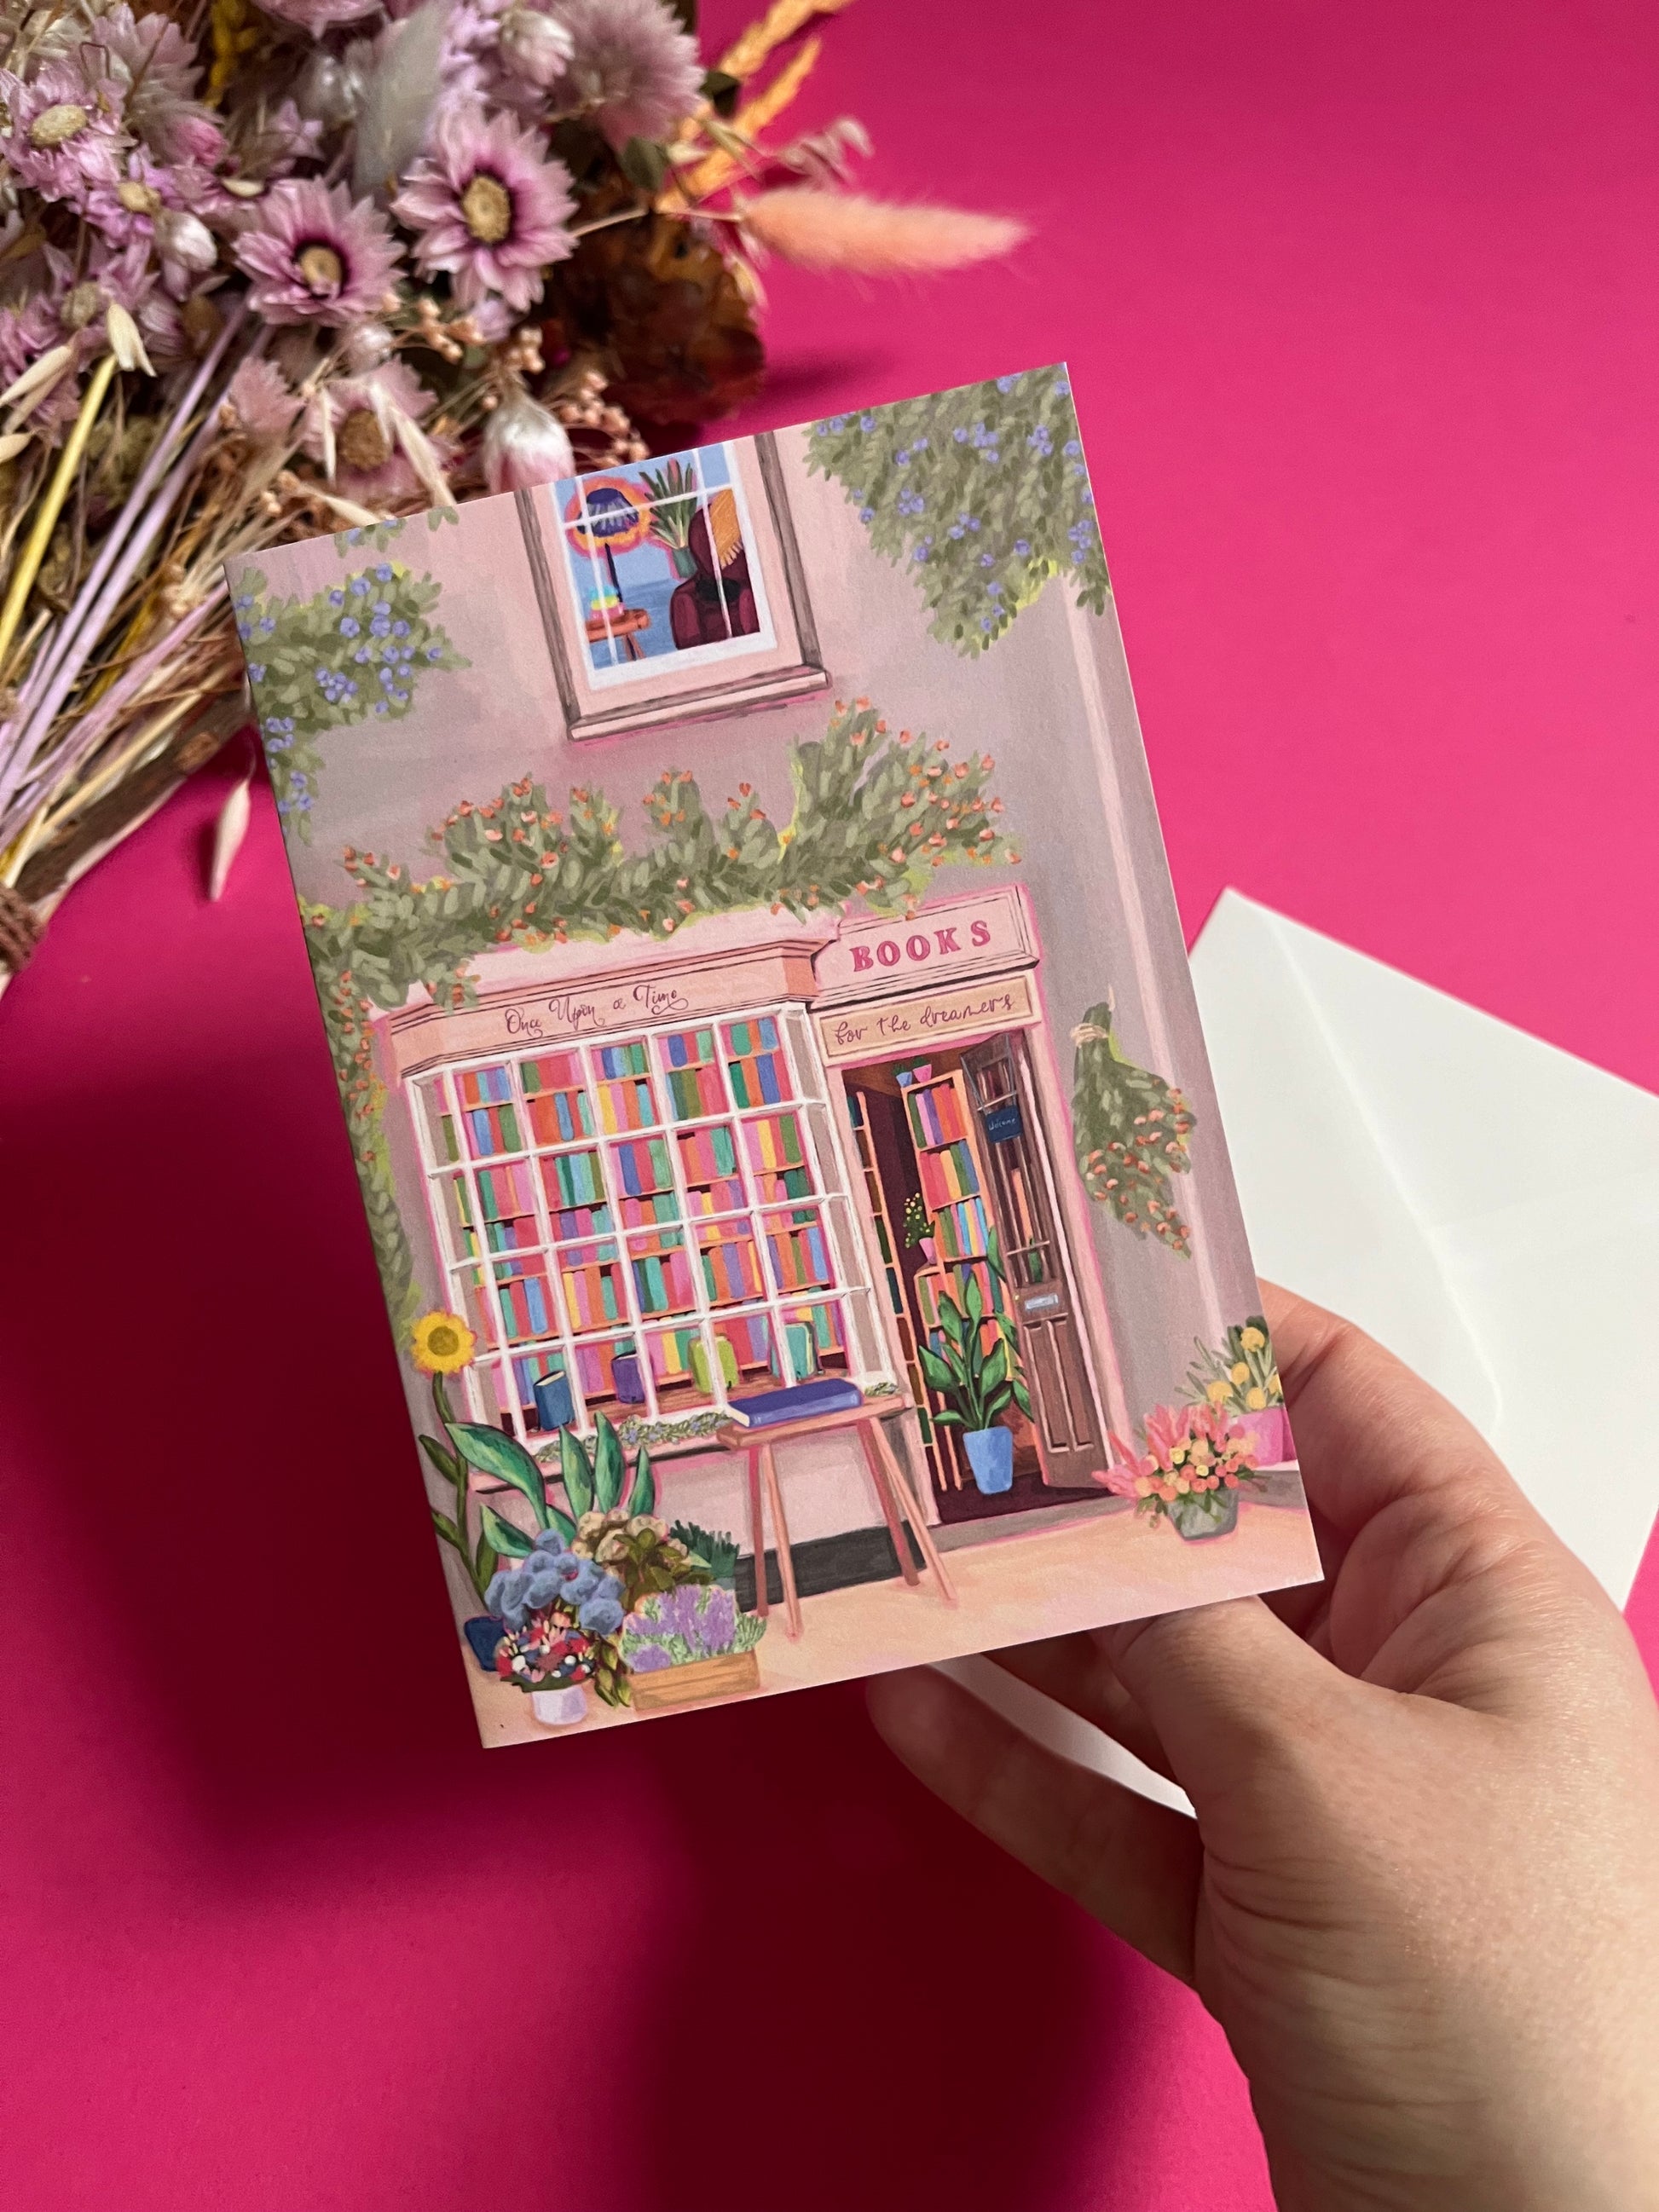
x=959 y=1180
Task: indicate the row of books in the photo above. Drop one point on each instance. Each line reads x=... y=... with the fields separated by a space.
x=947 y=1175
x=492 y=1129
x=759 y=1081
x=793 y=1183
x=616 y=1059
x=731 y=1271
x=662 y=1282
x=559 y=1117
x=775 y=1142
x=643 y=1166
x=709 y=1154
x=800 y=1258
x=696 y=1092
x=484 y=1087
x=962 y=1229
x=658 y=1207
x=627 y=1104
x=936 y=1114
x=525 y=1308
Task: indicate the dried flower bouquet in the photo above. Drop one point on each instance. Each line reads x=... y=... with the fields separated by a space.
x=270 y=271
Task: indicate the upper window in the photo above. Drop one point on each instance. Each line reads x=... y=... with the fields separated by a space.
x=672 y=588
x=660 y=561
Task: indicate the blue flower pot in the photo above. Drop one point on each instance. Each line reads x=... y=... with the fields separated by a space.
x=991 y=1455
x=483 y=1633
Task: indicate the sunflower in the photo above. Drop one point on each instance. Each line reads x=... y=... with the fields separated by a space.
x=443 y=1343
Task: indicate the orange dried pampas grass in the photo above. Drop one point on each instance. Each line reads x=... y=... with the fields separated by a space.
x=845 y=230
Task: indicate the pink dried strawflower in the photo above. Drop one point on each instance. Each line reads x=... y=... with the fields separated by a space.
x=490 y=207
x=154 y=65
x=370 y=466
x=261 y=400
x=63 y=132
x=631 y=65
x=315 y=255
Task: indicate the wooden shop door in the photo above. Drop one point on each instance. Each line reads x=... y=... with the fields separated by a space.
x=1051 y=1341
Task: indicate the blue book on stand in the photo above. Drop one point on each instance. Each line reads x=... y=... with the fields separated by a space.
x=802 y=1402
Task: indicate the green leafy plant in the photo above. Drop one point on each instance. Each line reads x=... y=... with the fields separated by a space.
x=1131 y=1129
x=712 y=1549
x=977 y=1385
x=354 y=651
x=673 y=490
x=1241 y=1375
x=980 y=495
x=918 y=1221
x=875 y=817
x=447 y=1453
x=639 y=1552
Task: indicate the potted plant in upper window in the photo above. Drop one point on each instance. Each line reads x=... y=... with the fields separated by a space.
x=1241 y=1378
x=977 y=1386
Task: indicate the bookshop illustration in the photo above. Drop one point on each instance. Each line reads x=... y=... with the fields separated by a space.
x=822 y=1164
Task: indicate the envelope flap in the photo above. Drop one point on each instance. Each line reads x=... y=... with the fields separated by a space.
x=1328 y=1214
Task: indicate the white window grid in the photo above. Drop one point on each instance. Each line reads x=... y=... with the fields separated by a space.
x=849 y=1292
x=621 y=670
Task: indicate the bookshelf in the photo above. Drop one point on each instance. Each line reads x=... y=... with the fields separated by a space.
x=942 y=1467
x=659 y=1218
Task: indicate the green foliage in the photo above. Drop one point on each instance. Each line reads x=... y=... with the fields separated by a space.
x=642 y=1498
x=711 y=1548
x=493 y=1452
x=1131 y=1129
x=980 y=495
x=874 y=817
x=448 y=1454
x=512 y=1543
x=355 y=650
x=977 y=1384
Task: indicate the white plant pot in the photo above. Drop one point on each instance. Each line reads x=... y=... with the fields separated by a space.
x=560 y=1708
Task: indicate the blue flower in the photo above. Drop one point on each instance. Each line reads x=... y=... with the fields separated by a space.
x=435 y=652
x=357 y=587
x=1023 y=547
x=384 y=573
x=866 y=514
x=601 y=1616
x=961 y=436
x=337 y=598
x=267 y=625
x=1040 y=441
x=349 y=626
x=1070 y=449
x=400 y=630
x=256 y=672
x=1061 y=387
x=379 y=706
x=988 y=560
x=243 y=601
x=994 y=591
x=918 y=445
x=866 y=423
x=1006 y=384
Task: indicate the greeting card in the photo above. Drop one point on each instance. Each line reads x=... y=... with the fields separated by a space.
x=743 y=940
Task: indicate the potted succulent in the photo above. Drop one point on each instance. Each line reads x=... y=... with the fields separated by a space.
x=561 y=1614
x=1195 y=1460
x=976 y=1386
x=687 y=1644
x=919 y=1227
x=1242 y=1378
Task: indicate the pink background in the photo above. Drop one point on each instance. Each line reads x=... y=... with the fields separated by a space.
x=1360 y=308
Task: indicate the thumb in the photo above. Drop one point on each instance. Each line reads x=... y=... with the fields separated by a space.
x=1221 y=1684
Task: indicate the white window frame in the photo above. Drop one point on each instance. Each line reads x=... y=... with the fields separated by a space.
x=868 y=1355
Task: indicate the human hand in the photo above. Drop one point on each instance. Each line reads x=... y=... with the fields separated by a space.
x=1419 y=1894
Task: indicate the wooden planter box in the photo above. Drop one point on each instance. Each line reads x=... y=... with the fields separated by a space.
x=733 y=1674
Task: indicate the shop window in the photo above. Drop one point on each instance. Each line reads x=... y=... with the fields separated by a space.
x=646 y=1225
x=672 y=588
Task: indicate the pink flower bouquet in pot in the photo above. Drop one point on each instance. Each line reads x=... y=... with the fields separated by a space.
x=1196 y=1460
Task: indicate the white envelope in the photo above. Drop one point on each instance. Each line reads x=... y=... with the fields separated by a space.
x=1483 y=1205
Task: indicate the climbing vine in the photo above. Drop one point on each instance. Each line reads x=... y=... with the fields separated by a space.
x=355 y=650
x=980 y=495
x=1131 y=1129
x=875 y=816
